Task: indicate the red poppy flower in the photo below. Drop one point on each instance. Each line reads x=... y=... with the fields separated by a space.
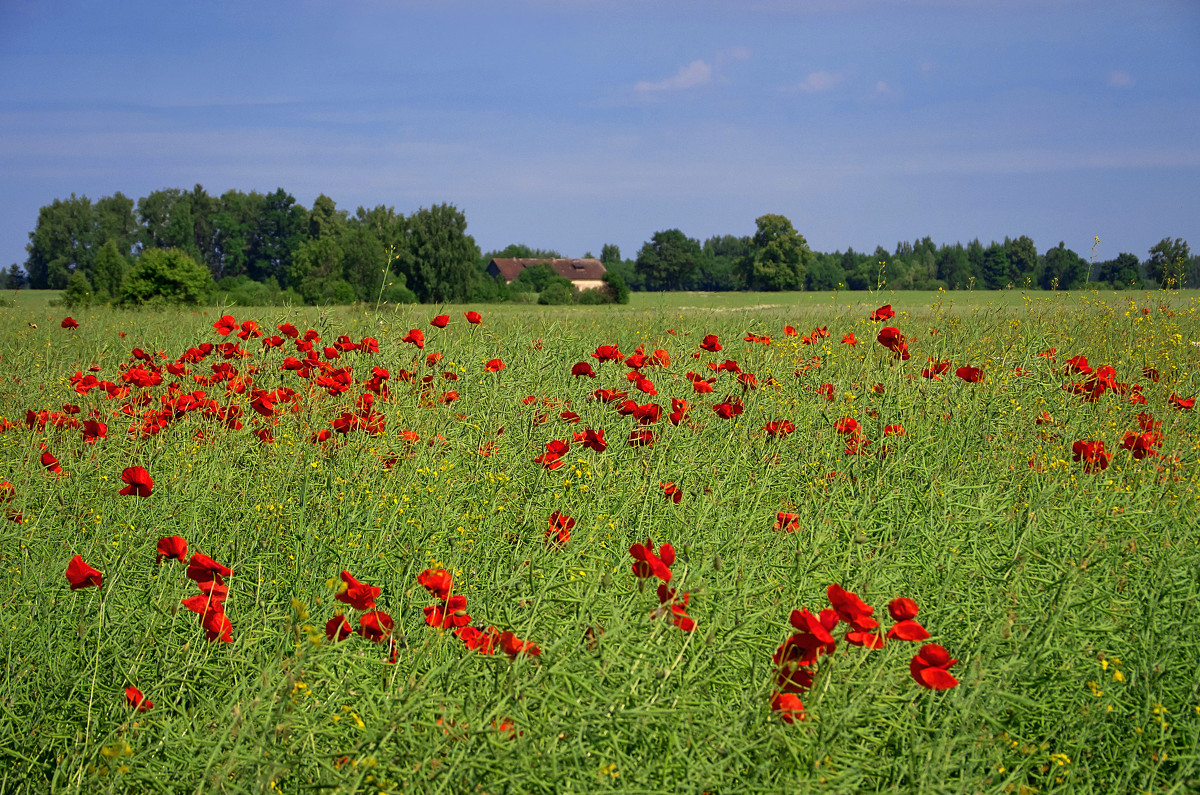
x=641 y=437
x=894 y=430
x=729 y=409
x=826 y=391
x=217 y=626
x=1180 y=403
x=1078 y=364
x=592 y=439
x=450 y=613
x=138 y=482
x=437 y=581
x=560 y=529
x=883 y=313
x=710 y=343
x=647 y=563
x=850 y=608
x=511 y=645
x=358 y=595
x=788 y=706
x=51 y=463
x=582 y=368
x=703 y=386
x=202 y=568
x=849 y=339
x=7 y=491
x=441 y=321
x=847 y=425
x=788 y=522
x=226 y=325
x=338 y=628
x=902 y=608
x=70 y=322
x=672 y=492
x=1044 y=418
x=81 y=575
x=493 y=366
x=473 y=317
x=930 y=668
x=375 y=626
x=891 y=338
x=172 y=548
x=288 y=330
x=94 y=431
x=135 y=699
x=555 y=450
x=1141 y=445
x=909 y=630
x=779 y=428
x=936 y=369
x=1092 y=454
x=416 y=337
x=972 y=375
x=211 y=599
x=789 y=331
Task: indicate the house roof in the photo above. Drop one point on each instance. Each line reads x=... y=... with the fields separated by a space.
x=580 y=269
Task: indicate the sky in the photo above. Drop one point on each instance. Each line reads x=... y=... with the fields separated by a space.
x=569 y=124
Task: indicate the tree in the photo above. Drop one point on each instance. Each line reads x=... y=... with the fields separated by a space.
x=780 y=256
x=109 y=272
x=1168 y=262
x=954 y=267
x=667 y=260
x=439 y=256
x=315 y=270
x=996 y=269
x=325 y=219
x=1063 y=269
x=60 y=243
x=1120 y=273
x=826 y=273
x=610 y=253
x=616 y=284
x=116 y=221
x=278 y=232
x=78 y=292
x=13 y=278
x=1023 y=263
x=166 y=276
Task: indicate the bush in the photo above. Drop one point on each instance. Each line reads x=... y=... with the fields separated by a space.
x=165 y=277
x=399 y=294
x=557 y=293
x=595 y=296
x=616 y=283
x=78 y=292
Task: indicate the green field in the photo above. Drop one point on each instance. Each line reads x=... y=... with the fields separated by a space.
x=1067 y=592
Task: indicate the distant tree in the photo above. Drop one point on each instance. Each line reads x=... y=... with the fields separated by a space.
x=78 y=292
x=1063 y=269
x=1023 y=262
x=539 y=277
x=954 y=267
x=1121 y=273
x=440 y=257
x=236 y=222
x=279 y=230
x=780 y=256
x=825 y=273
x=1168 y=262
x=115 y=220
x=316 y=270
x=13 y=278
x=166 y=276
x=667 y=260
x=616 y=284
x=610 y=253
x=60 y=243
x=109 y=272
x=325 y=219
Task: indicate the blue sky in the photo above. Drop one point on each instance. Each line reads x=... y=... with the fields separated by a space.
x=569 y=124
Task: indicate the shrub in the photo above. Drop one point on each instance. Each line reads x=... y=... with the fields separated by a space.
x=166 y=276
x=78 y=292
x=557 y=293
x=616 y=283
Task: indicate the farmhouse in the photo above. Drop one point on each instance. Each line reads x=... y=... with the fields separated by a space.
x=585 y=273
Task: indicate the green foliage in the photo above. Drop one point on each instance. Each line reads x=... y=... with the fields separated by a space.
x=439 y=256
x=538 y=277
x=13 y=278
x=1063 y=269
x=78 y=293
x=667 y=260
x=610 y=253
x=1168 y=262
x=617 y=286
x=1122 y=273
x=558 y=292
x=780 y=256
x=166 y=277
x=111 y=266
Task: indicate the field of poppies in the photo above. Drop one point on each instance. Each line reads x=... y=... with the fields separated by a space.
x=920 y=542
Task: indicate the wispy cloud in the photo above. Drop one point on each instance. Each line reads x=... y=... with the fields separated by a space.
x=817 y=82
x=1119 y=79
x=697 y=73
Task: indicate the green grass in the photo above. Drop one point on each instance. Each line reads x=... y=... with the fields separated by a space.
x=1069 y=599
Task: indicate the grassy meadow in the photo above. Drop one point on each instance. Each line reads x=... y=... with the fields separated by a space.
x=1067 y=592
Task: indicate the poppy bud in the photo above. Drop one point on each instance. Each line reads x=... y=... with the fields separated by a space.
x=717 y=563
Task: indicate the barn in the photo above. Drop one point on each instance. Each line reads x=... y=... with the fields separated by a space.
x=586 y=273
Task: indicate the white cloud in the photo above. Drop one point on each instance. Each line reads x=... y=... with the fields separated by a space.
x=818 y=81
x=738 y=53
x=1119 y=79
x=697 y=73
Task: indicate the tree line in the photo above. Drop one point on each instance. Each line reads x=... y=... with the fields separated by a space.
x=189 y=246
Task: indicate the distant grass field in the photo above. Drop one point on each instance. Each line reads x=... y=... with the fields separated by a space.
x=1067 y=591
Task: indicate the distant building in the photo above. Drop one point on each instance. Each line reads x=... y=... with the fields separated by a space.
x=584 y=273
